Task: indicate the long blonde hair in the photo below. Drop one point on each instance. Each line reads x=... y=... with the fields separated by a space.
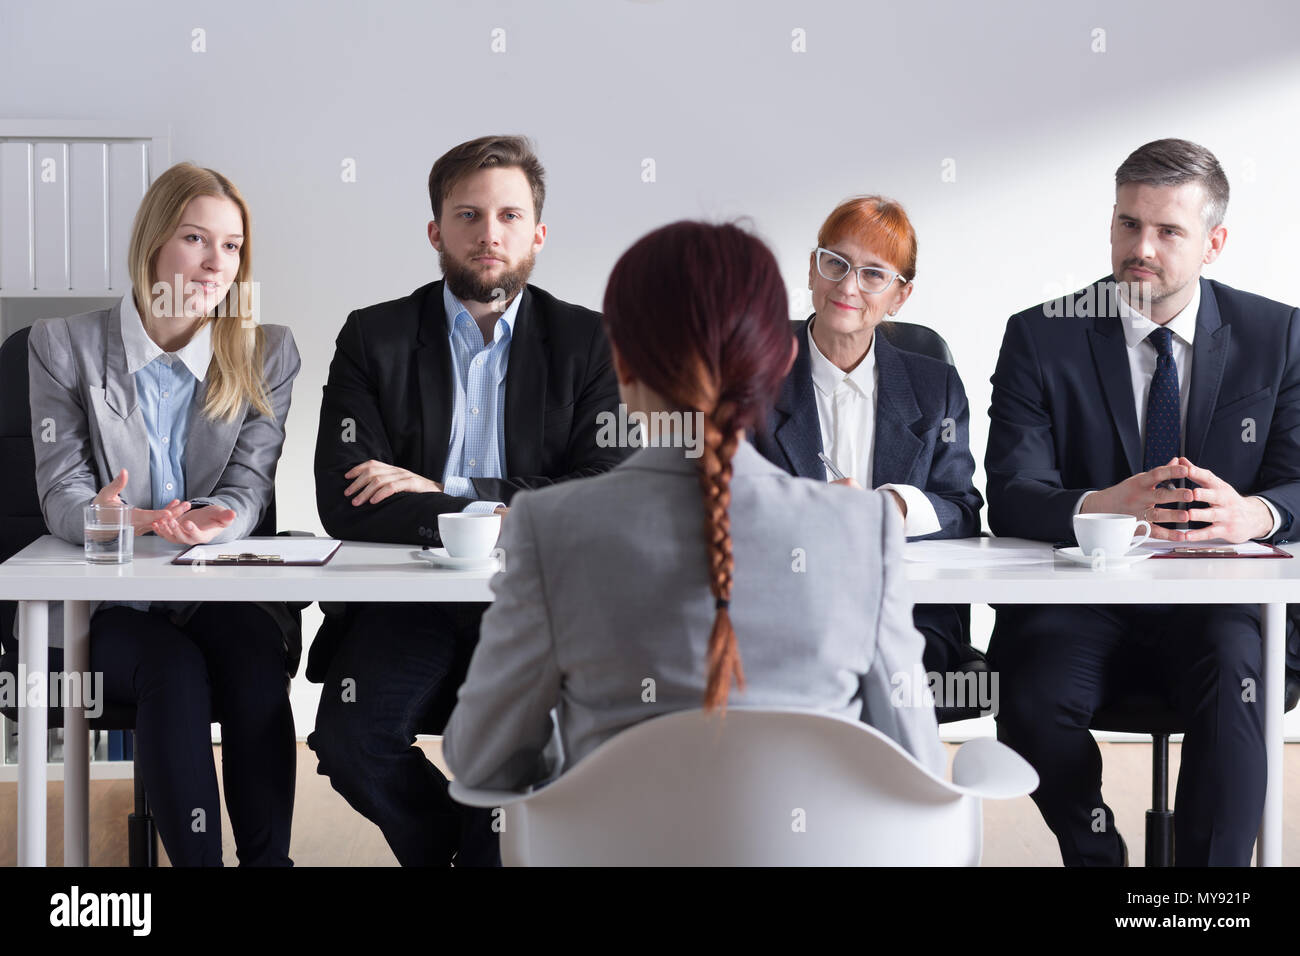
x=235 y=376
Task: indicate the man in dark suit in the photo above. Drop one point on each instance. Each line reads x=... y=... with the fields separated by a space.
x=1162 y=395
x=451 y=399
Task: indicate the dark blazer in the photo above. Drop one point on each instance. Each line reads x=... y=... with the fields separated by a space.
x=914 y=396
x=1063 y=419
x=389 y=398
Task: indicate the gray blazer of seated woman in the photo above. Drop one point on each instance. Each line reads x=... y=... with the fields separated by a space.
x=175 y=401
x=706 y=569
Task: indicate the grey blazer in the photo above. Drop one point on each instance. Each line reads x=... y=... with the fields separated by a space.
x=79 y=384
x=603 y=612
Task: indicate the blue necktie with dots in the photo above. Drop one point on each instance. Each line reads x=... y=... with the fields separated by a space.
x=1163 y=429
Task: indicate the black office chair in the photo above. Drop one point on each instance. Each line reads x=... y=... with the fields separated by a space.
x=917 y=338
x=1146 y=712
x=21 y=523
x=925 y=341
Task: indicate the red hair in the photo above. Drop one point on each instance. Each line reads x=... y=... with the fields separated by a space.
x=878 y=223
x=698 y=312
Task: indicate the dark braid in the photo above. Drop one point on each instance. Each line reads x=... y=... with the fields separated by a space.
x=720 y=440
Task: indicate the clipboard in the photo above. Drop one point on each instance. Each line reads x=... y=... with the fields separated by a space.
x=1222 y=551
x=279 y=552
x=1212 y=550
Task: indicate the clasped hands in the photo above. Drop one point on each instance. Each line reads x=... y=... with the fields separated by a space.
x=1232 y=517
x=373 y=481
x=200 y=525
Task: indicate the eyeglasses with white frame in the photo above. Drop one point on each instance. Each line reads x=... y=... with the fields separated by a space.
x=872 y=280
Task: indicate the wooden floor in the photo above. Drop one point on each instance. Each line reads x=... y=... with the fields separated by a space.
x=327 y=832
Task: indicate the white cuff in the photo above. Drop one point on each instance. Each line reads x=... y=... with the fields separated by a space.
x=1277 y=518
x=921 y=518
x=482 y=507
x=1079 y=504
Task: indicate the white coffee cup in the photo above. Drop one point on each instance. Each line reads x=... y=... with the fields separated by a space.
x=1112 y=535
x=469 y=535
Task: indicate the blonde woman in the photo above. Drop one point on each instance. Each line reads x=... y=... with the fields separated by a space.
x=174 y=401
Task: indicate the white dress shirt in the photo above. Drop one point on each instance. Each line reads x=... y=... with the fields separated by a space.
x=1142 y=365
x=846 y=412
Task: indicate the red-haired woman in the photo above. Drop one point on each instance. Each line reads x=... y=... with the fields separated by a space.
x=889 y=418
x=695 y=571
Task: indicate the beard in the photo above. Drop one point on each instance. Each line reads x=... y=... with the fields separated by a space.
x=467 y=282
x=1155 y=290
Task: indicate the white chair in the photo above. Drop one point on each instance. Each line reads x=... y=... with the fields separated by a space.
x=756 y=788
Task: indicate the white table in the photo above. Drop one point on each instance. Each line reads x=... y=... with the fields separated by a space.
x=51 y=570
x=1013 y=571
x=975 y=571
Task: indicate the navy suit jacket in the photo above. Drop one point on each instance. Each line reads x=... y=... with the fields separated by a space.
x=915 y=397
x=1063 y=419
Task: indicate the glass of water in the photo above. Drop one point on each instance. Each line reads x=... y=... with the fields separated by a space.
x=110 y=535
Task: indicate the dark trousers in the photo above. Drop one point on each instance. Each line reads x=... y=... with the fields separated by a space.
x=947 y=637
x=395 y=674
x=1059 y=664
x=227 y=664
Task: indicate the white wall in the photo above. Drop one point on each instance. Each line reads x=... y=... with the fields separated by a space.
x=737 y=123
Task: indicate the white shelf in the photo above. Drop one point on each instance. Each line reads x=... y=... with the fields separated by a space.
x=99 y=770
x=16 y=293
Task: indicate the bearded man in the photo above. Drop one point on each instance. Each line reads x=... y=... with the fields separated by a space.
x=450 y=399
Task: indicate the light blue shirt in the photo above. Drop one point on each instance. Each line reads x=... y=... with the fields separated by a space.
x=165 y=386
x=478 y=435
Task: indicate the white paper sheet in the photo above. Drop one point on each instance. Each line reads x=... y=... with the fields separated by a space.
x=1247 y=547
x=975 y=553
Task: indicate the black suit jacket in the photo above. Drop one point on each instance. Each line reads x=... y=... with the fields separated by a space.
x=1063 y=419
x=915 y=395
x=389 y=398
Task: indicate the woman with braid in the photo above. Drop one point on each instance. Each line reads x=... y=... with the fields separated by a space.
x=695 y=573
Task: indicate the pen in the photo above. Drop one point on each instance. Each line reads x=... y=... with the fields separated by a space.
x=830 y=466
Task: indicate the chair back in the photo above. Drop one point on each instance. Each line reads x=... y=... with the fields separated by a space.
x=911 y=337
x=21 y=521
x=751 y=788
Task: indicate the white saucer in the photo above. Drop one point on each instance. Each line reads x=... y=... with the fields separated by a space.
x=1123 y=561
x=439 y=558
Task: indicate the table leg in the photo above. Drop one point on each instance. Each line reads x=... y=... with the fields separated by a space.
x=33 y=723
x=76 y=733
x=1268 y=849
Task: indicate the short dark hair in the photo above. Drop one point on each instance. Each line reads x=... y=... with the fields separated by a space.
x=460 y=161
x=1172 y=162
